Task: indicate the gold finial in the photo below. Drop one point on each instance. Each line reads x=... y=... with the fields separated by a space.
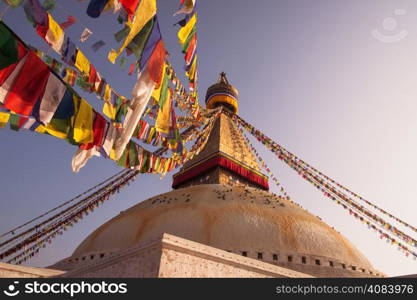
x=223 y=78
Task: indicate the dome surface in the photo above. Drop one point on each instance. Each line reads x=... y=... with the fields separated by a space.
x=236 y=219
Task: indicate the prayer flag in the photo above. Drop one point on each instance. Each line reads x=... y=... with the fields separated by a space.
x=69 y=22
x=70 y=76
x=163 y=121
x=86 y=151
x=109 y=140
x=185 y=31
x=187 y=7
x=85 y=35
x=139 y=42
x=14 y=3
x=28 y=87
x=145 y=11
x=82 y=63
x=69 y=52
x=151 y=43
x=156 y=63
x=97 y=45
x=54 y=92
x=83 y=123
x=130 y=6
x=95 y=8
x=35 y=12
x=4 y=119
x=55 y=35
x=65 y=109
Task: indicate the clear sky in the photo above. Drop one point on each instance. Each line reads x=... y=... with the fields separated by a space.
x=333 y=81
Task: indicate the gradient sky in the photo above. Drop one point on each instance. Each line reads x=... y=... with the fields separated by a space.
x=311 y=75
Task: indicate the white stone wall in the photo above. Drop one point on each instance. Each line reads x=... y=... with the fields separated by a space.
x=171 y=256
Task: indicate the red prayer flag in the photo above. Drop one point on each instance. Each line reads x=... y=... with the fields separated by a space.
x=191 y=49
x=156 y=63
x=130 y=5
x=69 y=22
x=28 y=87
x=42 y=30
x=99 y=126
x=92 y=78
x=132 y=68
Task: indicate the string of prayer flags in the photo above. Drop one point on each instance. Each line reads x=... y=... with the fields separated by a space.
x=187 y=37
x=85 y=35
x=30 y=241
x=11 y=51
x=328 y=189
x=91 y=84
x=53 y=34
x=148 y=80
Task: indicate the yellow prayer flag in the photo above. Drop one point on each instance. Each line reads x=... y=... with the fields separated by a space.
x=55 y=34
x=109 y=110
x=40 y=129
x=55 y=131
x=157 y=92
x=83 y=123
x=163 y=120
x=112 y=154
x=107 y=92
x=4 y=118
x=185 y=31
x=82 y=63
x=145 y=11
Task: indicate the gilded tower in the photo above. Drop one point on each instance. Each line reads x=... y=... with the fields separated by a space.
x=226 y=159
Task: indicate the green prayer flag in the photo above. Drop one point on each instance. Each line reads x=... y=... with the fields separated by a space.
x=139 y=42
x=14 y=122
x=123 y=159
x=188 y=40
x=133 y=155
x=8 y=47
